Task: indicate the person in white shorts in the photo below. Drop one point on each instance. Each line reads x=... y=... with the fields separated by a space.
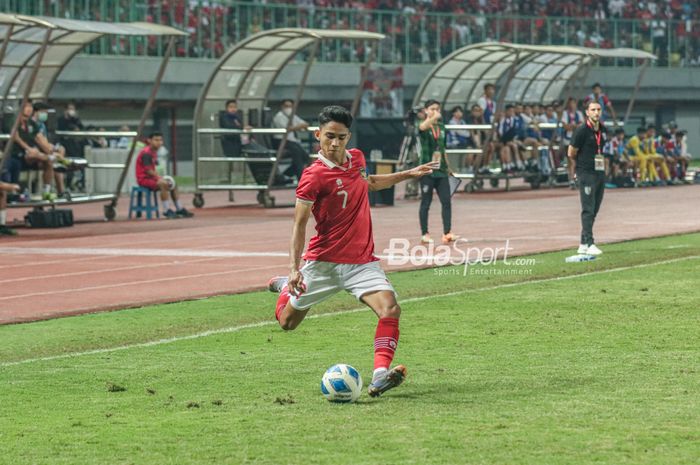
x=341 y=255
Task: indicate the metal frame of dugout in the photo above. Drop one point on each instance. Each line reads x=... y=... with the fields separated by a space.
x=521 y=73
x=246 y=73
x=33 y=52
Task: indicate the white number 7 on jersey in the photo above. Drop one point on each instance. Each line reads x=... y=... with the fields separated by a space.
x=345 y=197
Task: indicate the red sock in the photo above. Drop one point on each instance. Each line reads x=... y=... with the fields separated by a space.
x=385 y=341
x=282 y=302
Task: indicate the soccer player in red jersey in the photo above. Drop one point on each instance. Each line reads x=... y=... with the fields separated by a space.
x=334 y=188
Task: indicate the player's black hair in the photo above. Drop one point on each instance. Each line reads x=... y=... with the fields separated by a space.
x=429 y=102
x=153 y=134
x=476 y=105
x=619 y=131
x=641 y=129
x=489 y=84
x=287 y=100
x=335 y=113
x=597 y=84
x=458 y=107
x=233 y=100
x=651 y=126
x=510 y=105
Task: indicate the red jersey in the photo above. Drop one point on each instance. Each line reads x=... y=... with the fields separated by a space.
x=340 y=208
x=146 y=160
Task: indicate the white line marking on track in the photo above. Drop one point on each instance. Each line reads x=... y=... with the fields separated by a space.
x=233 y=329
x=109 y=270
x=139 y=283
x=108 y=251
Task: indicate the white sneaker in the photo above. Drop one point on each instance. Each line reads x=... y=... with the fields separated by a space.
x=594 y=250
x=583 y=248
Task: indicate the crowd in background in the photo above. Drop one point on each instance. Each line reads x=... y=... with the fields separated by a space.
x=419 y=31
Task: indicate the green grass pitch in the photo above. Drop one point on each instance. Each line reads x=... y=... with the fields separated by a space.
x=582 y=363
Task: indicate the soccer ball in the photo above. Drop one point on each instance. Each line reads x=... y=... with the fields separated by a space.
x=171 y=182
x=341 y=383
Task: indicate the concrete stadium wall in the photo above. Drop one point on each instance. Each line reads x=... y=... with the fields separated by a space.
x=113 y=90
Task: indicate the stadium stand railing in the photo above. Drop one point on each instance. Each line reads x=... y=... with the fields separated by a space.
x=420 y=37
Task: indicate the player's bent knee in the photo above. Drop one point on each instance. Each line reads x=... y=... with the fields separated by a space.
x=391 y=311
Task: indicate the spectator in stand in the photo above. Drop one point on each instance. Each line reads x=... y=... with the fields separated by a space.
x=147 y=176
x=598 y=96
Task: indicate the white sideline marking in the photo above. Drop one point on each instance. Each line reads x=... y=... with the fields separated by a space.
x=233 y=329
x=135 y=252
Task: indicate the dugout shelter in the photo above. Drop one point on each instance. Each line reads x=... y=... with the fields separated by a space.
x=521 y=73
x=247 y=73
x=34 y=51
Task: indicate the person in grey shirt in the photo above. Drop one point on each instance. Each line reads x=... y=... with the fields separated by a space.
x=293 y=148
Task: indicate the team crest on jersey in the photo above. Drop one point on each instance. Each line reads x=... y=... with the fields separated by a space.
x=339 y=182
x=363 y=172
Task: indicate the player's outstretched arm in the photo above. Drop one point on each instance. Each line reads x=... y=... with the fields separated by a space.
x=302 y=212
x=378 y=182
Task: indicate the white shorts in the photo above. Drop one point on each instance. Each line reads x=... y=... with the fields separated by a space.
x=324 y=279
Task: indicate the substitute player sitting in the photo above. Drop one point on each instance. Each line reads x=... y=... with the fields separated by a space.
x=147 y=176
x=334 y=188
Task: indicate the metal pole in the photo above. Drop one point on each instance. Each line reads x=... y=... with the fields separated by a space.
x=25 y=96
x=173 y=139
x=300 y=92
x=636 y=89
x=363 y=77
x=502 y=96
x=142 y=122
x=3 y=49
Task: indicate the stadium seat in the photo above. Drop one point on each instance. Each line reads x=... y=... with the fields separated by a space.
x=136 y=202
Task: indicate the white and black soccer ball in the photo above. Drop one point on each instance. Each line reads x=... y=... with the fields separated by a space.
x=341 y=383
x=171 y=182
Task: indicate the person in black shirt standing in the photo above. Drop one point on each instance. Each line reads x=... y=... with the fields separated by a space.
x=587 y=163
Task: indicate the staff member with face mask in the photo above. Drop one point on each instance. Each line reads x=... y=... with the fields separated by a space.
x=432 y=143
x=587 y=164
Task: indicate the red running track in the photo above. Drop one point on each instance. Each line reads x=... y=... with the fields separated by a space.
x=231 y=248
